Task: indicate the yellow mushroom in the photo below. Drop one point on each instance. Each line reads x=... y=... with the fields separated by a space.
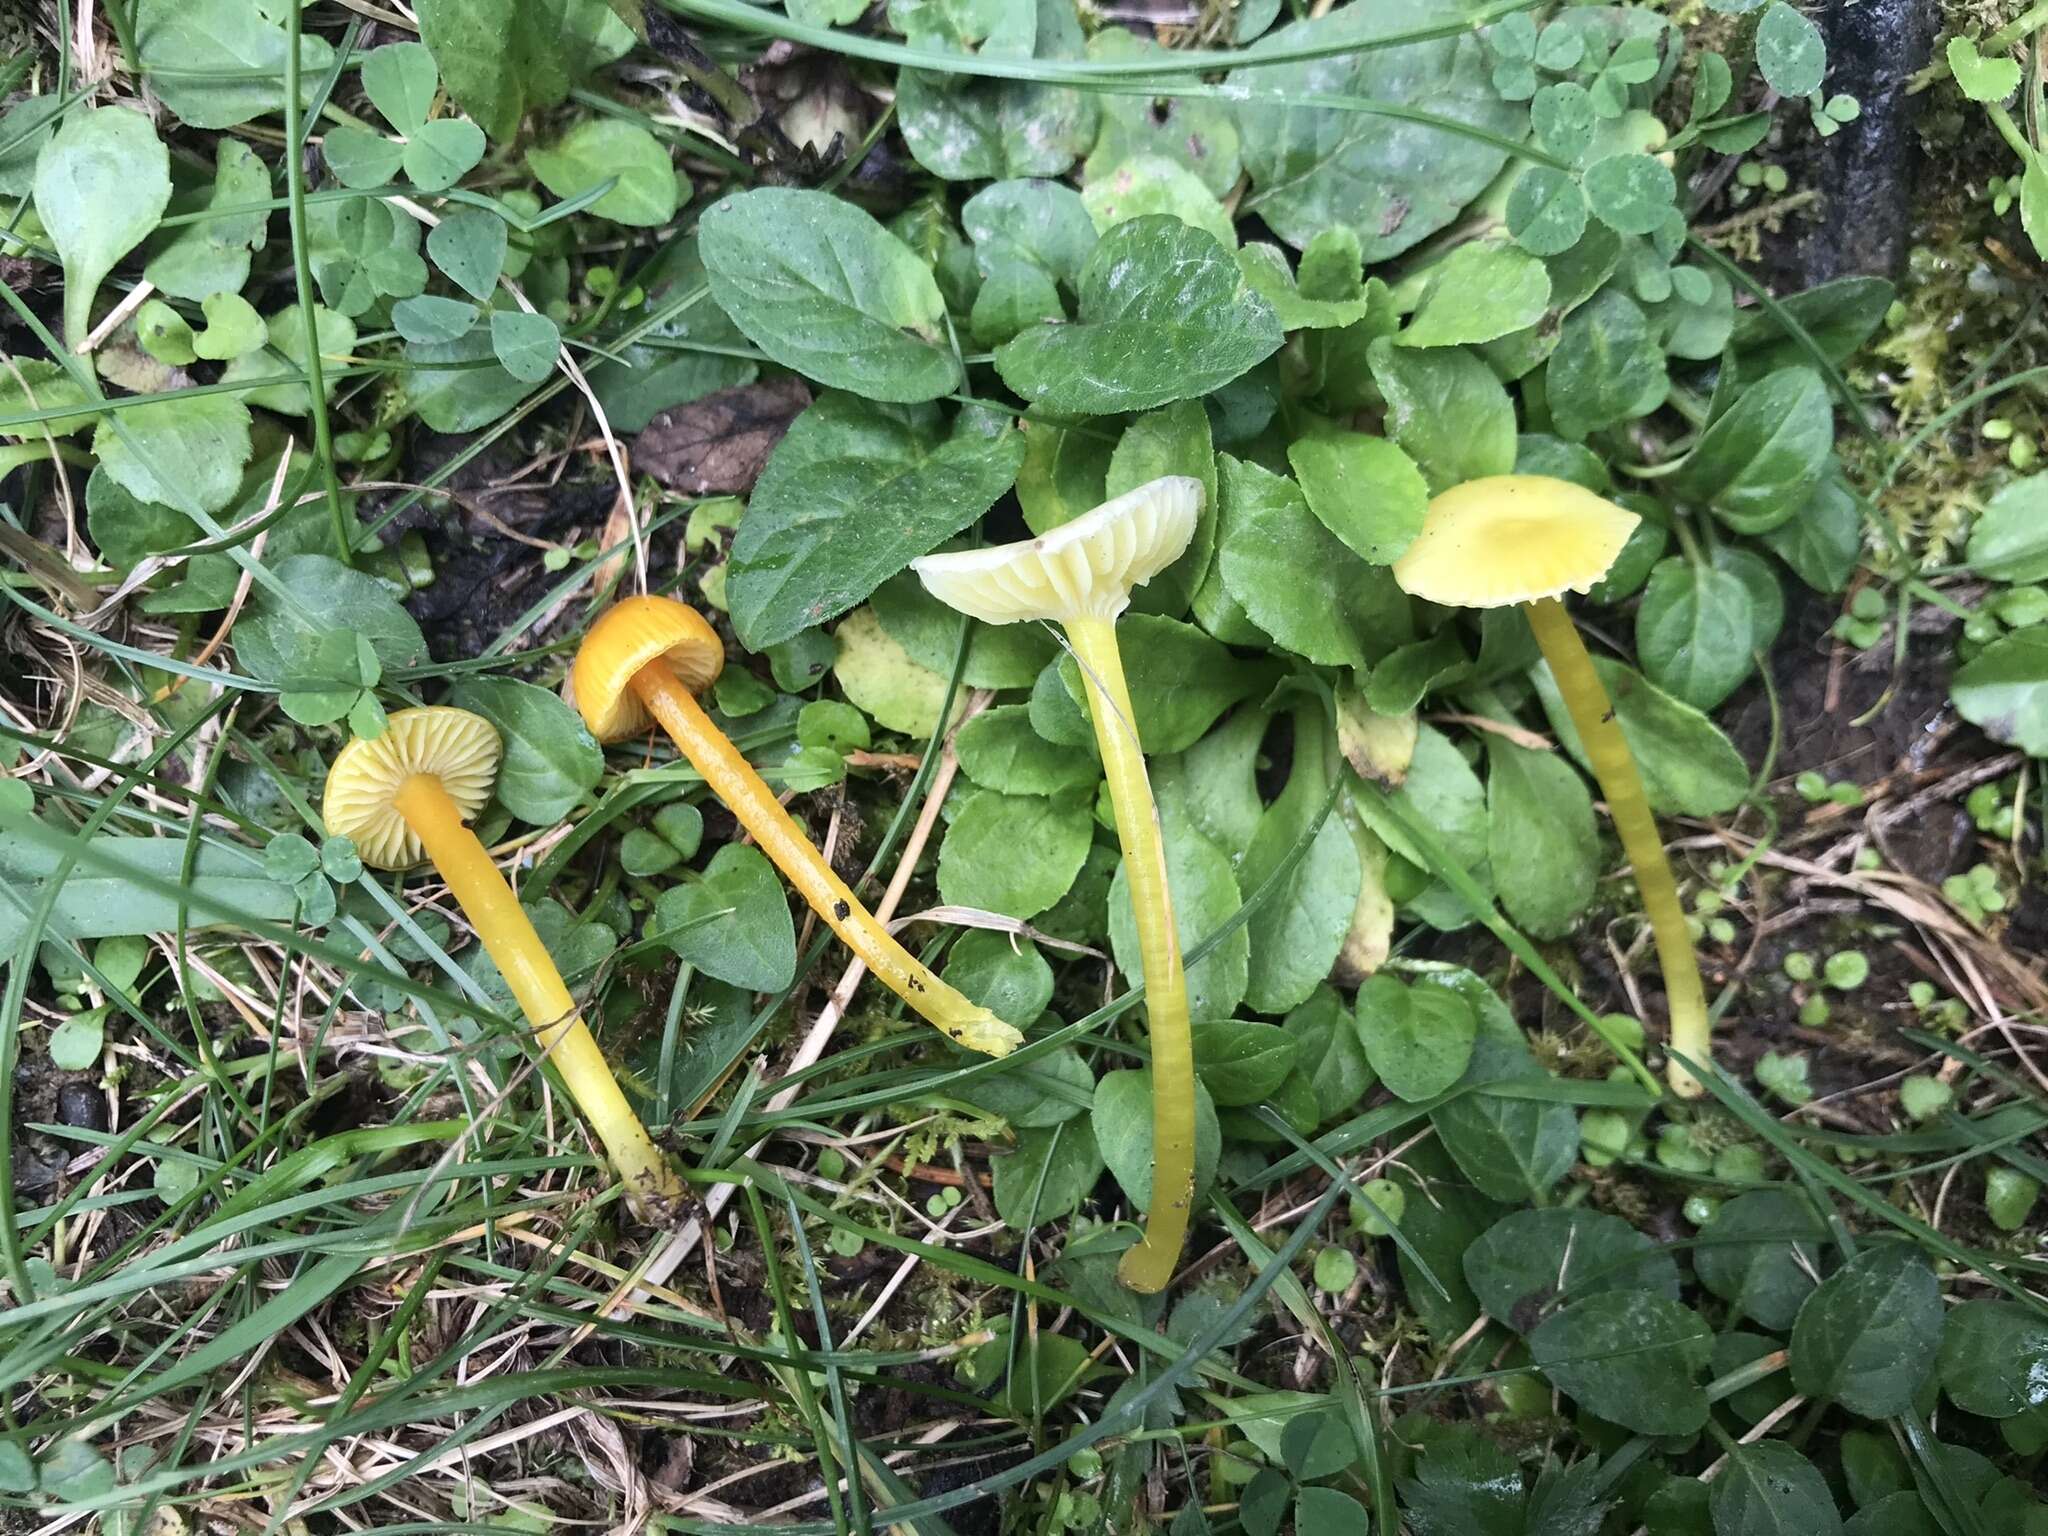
x=1080 y=576
x=645 y=660
x=1528 y=539
x=411 y=791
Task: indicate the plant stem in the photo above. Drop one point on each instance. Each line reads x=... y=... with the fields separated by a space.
x=2019 y=27
x=1150 y=1265
x=509 y=938
x=733 y=779
x=1615 y=767
x=302 y=272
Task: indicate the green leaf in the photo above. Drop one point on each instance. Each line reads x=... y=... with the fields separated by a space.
x=1630 y=193
x=884 y=680
x=1994 y=1359
x=451 y=393
x=550 y=760
x=1630 y=1357
x=1694 y=631
x=822 y=288
x=1979 y=78
x=431 y=320
x=739 y=928
x=1418 y=1039
x=1328 y=1055
x=1123 y=1130
x=1364 y=489
x=101 y=184
x=75 y=1044
x=37 y=384
x=131 y=885
x=1240 y=1062
x=1769 y=1489
x=1164 y=315
x=998 y=655
x=1172 y=441
x=1837 y=316
x=1205 y=894
x=2010 y=539
x=999 y=750
x=285 y=332
x=525 y=345
x=442 y=152
x=2004 y=690
x=1477 y=293
x=1153 y=184
x=1201 y=135
x=1511 y=1149
x=1897 y=1514
x=1013 y=854
x=649 y=187
x=1048 y=1176
x=1546 y=211
x=1336 y=294
x=849 y=498
x=25 y=129
x=1756 y=465
x=1394 y=183
x=1179 y=679
x=186 y=452
x=190 y=261
x=361 y=250
x=1607 y=367
x=1760 y=1253
x=1689 y=766
x=1330 y=1511
x=1529 y=1261
x=1449 y=412
x=400 y=80
x=1541 y=837
x=291 y=640
x=1789 y=52
x=232 y=328
x=994 y=129
x=359 y=158
x=504 y=58
x=220 y=63
x=469 y=244
x=1047 y=1092
x=1298 y=931
x=1295 y=579
x=1869 y=1337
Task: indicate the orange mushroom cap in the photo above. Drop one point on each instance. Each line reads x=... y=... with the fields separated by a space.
x=626 y=638
x=458 y=748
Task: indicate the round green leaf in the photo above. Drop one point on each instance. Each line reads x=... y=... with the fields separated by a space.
x=1630 y=193
x=1630 y=1357
x=1789 y=51
x=1528 y=1262
x=1694 y=631
x=1418 y=1039
x=649 y=189
x=1868 y=1338
x=1769 y=1489
x=1994 y=1359
x=1123 y=1130
x=2004 y=689
x=1014 y=854
x=441 y=153
x=550 y=760
x=734 y=924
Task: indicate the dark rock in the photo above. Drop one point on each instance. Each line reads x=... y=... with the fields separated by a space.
x=82 y=1105
x=1865 y=170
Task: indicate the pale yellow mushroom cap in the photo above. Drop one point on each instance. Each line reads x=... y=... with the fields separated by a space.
x=458 y=748
x=1081 y=570
x=1512 y=539
x=628 y=636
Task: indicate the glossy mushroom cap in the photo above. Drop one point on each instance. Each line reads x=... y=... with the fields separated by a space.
x=453 y=745
x=628 y=636
x=1081 y=570
x=1512 y=539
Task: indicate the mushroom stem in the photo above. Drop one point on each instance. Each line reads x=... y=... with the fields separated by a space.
x=1614 y=765
x=733 y=779
x=1150 y=1265
x=508 y=937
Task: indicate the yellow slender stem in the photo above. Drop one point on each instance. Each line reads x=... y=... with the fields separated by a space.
x=1622 y=785
x=508 y=936
x=1150 y=1265
x=733 y=780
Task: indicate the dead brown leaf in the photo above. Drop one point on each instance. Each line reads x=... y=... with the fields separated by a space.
x=717 y=445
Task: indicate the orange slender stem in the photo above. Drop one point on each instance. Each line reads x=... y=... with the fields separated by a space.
x=733 y=779
x=509 y=938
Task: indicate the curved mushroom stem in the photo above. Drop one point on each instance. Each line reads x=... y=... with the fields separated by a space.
x=508 y=937
x=733 y=779
x=1150 y=1265
x=1622 y=785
